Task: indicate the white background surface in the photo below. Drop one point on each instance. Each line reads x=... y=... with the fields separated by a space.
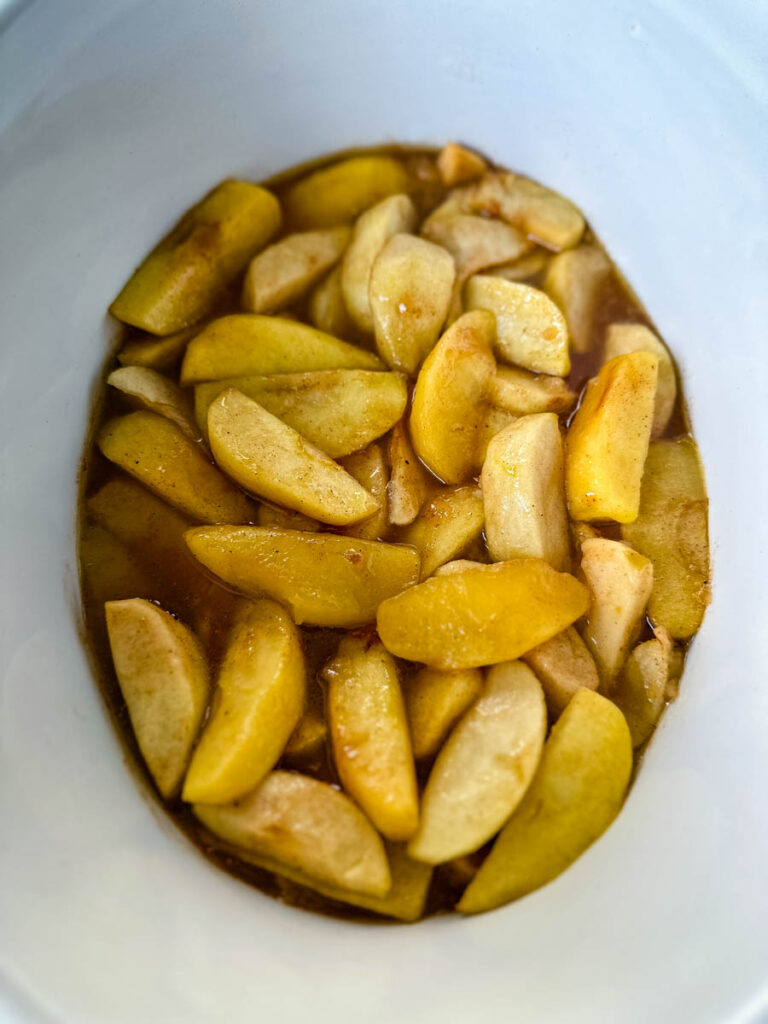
x=117 y=114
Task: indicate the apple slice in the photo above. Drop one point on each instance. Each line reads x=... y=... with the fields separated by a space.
x=575 y=795
x=524 y=492
x=607 y=441
x=326 y=309
x=544 y=215
x=248 y=344
x=373 y=229
x=452 y=395
x=285 y=271
x=150 y=390
x=405 y=900
x=620 y=581
x=435 y=700
x=446 y=525
x=409 y=291
x=369 y=729
x=481 y=616
x=563 y=665
x=185 y=275
x=573 y=280
x=338 y=411
x=456 y=164
x=369 y=468
x=325 y=580
x=308 y=826
x=270 y=459
x=338 y=193
x=671 y=530
x=642 y=688
x=163 y=676
x=484 y=768
x=531 y=330
x=521 y=392
x=261 y=689
x=623 y=338
x=164 y=459
x=408 y=483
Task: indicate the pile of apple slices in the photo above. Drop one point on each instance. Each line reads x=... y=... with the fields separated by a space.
x=401 y=469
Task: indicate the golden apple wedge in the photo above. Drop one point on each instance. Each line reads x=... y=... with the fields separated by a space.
x=163 y=676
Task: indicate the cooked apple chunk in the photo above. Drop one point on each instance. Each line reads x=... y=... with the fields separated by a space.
x=285 y=271
x=165 y=460
x=575 y=795
x=394 y=215
x=150 y=390
x=405 y=900
x=371 y=742
x=369 y=468
x=457 y=565
x=620 y=582
x=307 y=739
x=270 y=459
x=184 y=276
x=156 y=353
x=408 y=483
x=573 y=280
x=163 y=677
x=261 y=687
x=563 y=665
x=531 y=330
x=435 y=700
x=481 y=616
x=522 y=393
x=446 y=525
x=246 y=344
x=338 y=411
x=308 y=826
x=325 y=580
x=544 y=215
x=410 y=291
x=327 y=310
x=623 y=338
x=524 y=494
x=484 y=768
x=338 y=193
x=671 y=530
x=641 y=689
x=452 y=395
x=607 y=441
x=457 y=164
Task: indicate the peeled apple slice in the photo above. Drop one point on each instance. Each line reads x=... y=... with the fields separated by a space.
x=373 y=229
x=261 y=688
x=481 y=616
x=308 y=826
x=184 y=276
x=369 y=729
x=338 y=193
x=531 y=330
x=163 y=676
x=285 y=271
x=435 y=700
x=451 y=397
x=270 y=459
x=484 y=768
x=247 y=344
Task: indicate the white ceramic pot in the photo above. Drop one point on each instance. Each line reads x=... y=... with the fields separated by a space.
x=117 y=115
